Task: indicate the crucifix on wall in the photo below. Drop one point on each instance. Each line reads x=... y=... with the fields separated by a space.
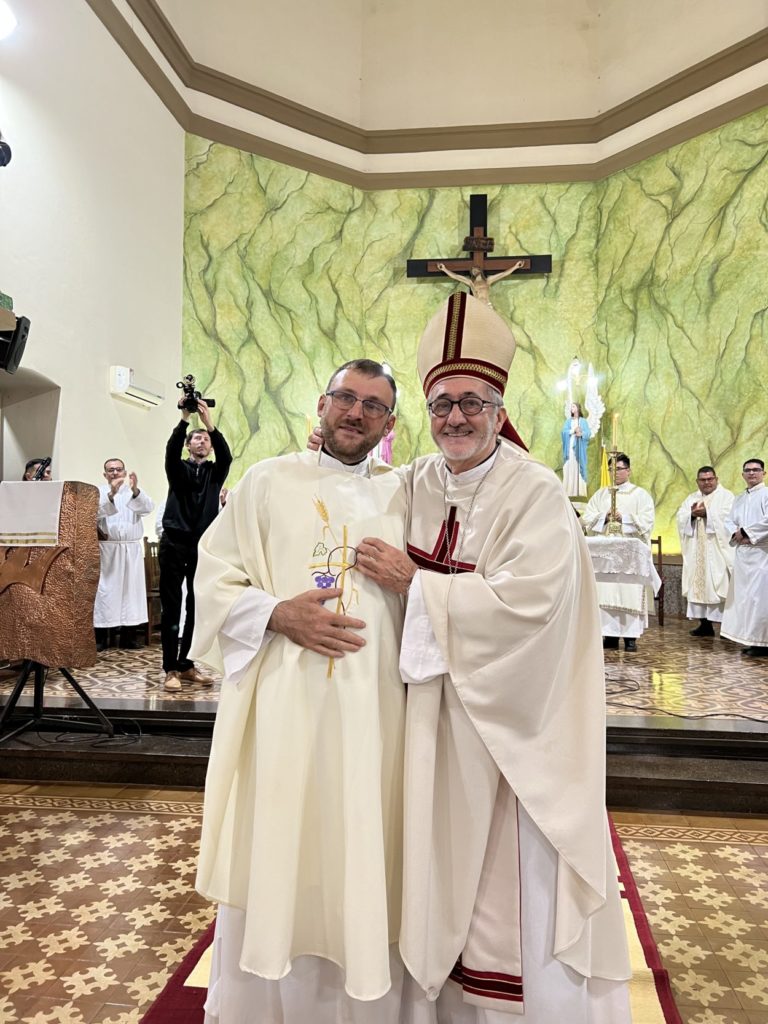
x=479 y=270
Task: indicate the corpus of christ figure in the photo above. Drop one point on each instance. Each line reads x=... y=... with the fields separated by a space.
x=473 y=270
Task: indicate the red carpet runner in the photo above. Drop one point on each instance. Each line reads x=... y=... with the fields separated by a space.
x=178 y=1004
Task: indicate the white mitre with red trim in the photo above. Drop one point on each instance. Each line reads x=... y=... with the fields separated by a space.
x=466 y=338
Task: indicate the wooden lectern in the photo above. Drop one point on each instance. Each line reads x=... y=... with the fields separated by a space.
x=46 y=603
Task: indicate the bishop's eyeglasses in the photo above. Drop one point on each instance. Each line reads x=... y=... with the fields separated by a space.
x=469 y=405
x=371 y=408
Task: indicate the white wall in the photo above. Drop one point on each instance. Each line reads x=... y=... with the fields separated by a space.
x=91 y=209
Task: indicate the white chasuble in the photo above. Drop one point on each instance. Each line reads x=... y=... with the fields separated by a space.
x=625 y=605
x=745 y=618
x=707 y=556
x=518 y=716
x=302 y=828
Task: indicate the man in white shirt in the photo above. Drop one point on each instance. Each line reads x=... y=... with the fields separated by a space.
x=121 y=600
x=707 y=555
x=745 y=618
x=623 y=606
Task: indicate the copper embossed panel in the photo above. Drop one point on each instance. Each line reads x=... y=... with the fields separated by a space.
x=49 y=618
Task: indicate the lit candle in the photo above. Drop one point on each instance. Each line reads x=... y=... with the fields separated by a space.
x=614 y=432
x=309 y=425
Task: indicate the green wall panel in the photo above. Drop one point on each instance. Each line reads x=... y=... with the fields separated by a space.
x=658 y=280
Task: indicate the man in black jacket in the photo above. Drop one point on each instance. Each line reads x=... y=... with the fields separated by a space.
x=193 y=503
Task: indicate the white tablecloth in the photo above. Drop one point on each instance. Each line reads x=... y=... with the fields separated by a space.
x=623 y=560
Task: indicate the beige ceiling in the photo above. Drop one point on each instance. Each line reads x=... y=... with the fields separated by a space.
x=388 y=92
x=391 y=64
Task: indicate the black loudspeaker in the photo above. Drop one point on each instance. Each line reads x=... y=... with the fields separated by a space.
x=12 y=345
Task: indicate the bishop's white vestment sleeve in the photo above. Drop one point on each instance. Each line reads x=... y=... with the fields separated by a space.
x=420 y=656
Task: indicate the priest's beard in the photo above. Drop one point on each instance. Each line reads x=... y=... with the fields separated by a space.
x=349 y=440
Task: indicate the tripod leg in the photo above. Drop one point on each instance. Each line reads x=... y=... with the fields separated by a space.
x=107 y=725
x=16 y=693
x=40 y=673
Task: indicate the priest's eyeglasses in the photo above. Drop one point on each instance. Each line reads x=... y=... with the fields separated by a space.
x=469 y=405
x=371 y=408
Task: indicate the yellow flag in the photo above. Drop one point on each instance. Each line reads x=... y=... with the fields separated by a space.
x=605 y=476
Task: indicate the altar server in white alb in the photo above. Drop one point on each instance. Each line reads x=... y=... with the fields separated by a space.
x=511 y=904
x=745 y=618
x=302 y=829
x=707 y=554
x=121 y=600
x=623 y=606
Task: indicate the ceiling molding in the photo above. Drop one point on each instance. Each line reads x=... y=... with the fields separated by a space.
x=515 y=175
x=540 y=135
x=579 y=131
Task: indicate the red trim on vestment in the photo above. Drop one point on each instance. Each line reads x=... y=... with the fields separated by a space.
x=491 y=984
x=439 y=559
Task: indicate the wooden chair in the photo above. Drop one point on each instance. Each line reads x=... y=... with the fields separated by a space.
x=658 y=561
x=152 y=580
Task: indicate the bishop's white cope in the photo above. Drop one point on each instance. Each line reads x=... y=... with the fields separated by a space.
x=516 y=715
x=302 y=825
x=745 y=618
x=624 y=607
x=707 y=556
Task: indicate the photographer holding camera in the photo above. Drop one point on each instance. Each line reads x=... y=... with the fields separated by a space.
x=194 y=486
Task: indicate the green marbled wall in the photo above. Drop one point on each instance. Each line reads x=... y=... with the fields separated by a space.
x=657 y=279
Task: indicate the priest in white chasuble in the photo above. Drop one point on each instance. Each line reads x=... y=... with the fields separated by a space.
x=302 y=828
x=511 y=903
x=624 y=607
x=707 y=556
x=745 y=618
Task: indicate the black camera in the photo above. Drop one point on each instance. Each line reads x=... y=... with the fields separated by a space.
x=191 y=397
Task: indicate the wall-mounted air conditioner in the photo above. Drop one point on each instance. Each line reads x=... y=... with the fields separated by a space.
x=133 y=387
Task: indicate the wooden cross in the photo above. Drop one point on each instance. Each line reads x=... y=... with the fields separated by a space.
x=477 y=243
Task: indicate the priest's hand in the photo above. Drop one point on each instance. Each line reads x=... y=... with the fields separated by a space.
x=133 y=480
x=699 y=510
x=305 y=621
x=613 y=519
x=386 y=565
x=315 y=440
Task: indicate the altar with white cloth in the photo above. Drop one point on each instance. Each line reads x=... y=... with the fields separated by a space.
x=623 y=560
x=627 y=582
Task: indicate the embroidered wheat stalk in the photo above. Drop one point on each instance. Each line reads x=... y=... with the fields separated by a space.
x=322 y=511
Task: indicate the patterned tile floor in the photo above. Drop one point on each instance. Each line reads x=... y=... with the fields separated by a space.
x=674 y=673
x=671 y=673
x=97 y=907
x=704 y=886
